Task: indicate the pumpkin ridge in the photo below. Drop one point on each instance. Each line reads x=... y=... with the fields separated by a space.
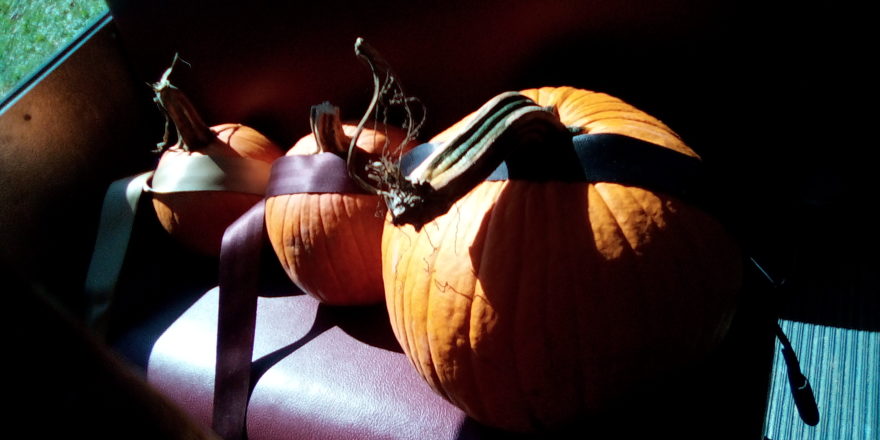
x=326 y=207
x=361 y=230
x=567 y=93
x=578 y=245
x=352 y=254
x=539 y=198
x=270 y=230
x=559 y=302
x=647 y=262
x=282 y=243
x=604 y=190
x=478 y=406
x=653 y=220
x=599 y=280
x=657 y=219
x=488 y=386
x=629 y=262
x=413 y=335
x=301 y=242
x=400 y=293
x=287 y=233
x=556 y=94
x=433 y=286
x=394 y=287
x=436 y=297
x=517 y=309
x=307 y=239
x=297 y=240
x=327 y=219
x=575 y=107
x=570 y=242
x=373 y=253
x=356 y=228
x=530 y=309
x=578 y=99
x=589 y=111
x=391 y=245
x=618 y=116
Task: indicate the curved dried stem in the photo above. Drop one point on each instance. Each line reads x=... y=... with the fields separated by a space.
x=192 y=132
x=507 y=123
x=388 y=97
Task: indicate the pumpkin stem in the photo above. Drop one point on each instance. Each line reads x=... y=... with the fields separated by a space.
x=192 y=132
x=388 y=99
x=508 y=124
x=327 y=129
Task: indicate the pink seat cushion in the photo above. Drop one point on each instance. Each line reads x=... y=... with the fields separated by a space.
x=321 y=372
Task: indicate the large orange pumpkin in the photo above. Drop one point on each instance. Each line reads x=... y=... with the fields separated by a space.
x=198 y=218
x=530 y=304
x=329 y=243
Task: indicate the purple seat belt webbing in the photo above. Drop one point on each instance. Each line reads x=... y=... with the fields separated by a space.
x=316 y=173
x=240 y=280
x=239 y=284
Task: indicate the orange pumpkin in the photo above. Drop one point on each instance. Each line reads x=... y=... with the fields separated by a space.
x=198 y=218
x=330 y=243
x=530 y=304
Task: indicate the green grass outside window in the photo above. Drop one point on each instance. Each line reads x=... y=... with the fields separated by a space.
x=31 y=31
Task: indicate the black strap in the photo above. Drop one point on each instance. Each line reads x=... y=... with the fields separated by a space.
x=605 y=157
x=799 y=385
x=801 y=391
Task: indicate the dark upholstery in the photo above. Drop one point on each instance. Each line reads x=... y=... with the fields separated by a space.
x=323 y=372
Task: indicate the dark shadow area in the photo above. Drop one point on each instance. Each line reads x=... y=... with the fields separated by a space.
x=773 y=103
x=833 y=279
x=720 y=398
x=471 y=429
x=66 y=384
x=274 y=281
x=367 y=324
x=260 y=366
x=82 y=122
x=723 y=396
x=160 y=280
x=770 y=100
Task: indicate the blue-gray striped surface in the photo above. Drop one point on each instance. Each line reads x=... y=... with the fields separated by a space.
x=843 y=366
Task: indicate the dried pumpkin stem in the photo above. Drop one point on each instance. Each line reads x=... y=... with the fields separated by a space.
x=327 y=129
x=505 y=125
x=372 y=59
x=192 y=132
x=388 y=97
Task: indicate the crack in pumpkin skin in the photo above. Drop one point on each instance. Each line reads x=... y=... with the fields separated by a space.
x=626 y=310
